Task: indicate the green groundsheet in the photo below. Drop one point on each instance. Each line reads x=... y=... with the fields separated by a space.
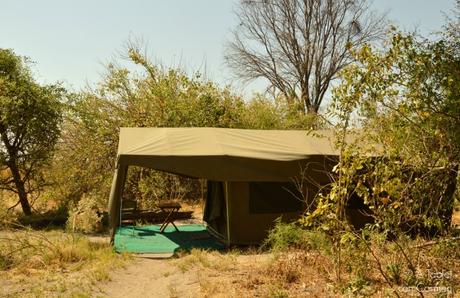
x=148 y=239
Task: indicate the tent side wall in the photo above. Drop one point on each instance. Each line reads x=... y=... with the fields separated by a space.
x=242 y=212
x=253 y=207
x=246 y=227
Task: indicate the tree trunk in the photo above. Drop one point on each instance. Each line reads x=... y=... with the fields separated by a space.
x=312 y=109
x=11 y=164
x=20 y=188
x=448 y=196
x=23 y=199
x=308 y=106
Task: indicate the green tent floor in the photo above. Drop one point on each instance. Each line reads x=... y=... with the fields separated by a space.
x=148 y=239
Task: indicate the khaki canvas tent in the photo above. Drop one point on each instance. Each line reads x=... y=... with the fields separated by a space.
x=250 y=173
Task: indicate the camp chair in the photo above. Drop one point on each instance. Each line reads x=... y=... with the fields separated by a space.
x=129 y=212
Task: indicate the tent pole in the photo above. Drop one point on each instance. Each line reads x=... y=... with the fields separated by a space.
x=227 y=201
x=116 y=193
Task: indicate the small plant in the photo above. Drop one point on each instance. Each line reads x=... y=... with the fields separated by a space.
x=196 y=257
x=277 y=292
x=394 y=272
x=291 y=235
x=447 y=249
x=356 y=286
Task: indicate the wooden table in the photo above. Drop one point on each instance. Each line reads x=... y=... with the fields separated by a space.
x=171 y=208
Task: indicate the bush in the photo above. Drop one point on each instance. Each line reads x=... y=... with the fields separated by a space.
x=284 y=235
x=291 y=235
x=84 y=216
x=404 y=102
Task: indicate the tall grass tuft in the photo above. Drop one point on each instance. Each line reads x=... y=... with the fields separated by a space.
x=28 y=249
x=39 y=264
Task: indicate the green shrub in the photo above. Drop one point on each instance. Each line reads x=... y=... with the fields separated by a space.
x=284 y=235
x=447 y=249
x=84 y=216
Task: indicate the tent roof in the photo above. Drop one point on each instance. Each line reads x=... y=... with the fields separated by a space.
x=274 y=145
x=225 y=154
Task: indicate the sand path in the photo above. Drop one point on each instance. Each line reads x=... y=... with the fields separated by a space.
x=151 y=277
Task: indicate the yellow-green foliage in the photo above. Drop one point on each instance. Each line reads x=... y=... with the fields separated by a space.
x=151 y=97
x=83 y=216
x=6 y=216
x=289 y=235
x=405 y=100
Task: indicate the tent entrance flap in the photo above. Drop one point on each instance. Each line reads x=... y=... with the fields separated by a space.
x=215 y=208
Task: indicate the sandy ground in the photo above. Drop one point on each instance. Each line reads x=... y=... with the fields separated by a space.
x=240 y=275
x=154 y=275
x=148 y=277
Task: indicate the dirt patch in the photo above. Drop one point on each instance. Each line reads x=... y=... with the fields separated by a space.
x=213 y=274
x=147 y=277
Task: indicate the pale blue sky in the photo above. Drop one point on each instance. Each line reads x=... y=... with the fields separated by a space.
x=70 y=40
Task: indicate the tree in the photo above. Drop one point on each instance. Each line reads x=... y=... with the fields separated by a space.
x=152 y=97
x=300 y=45
x=30 y=115
x=406 y=98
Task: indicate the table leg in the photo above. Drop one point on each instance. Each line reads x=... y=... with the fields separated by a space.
x=168 y=220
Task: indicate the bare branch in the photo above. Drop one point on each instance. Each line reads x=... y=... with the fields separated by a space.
x=299 y=46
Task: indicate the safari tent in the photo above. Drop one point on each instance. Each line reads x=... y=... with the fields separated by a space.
x=250 y=173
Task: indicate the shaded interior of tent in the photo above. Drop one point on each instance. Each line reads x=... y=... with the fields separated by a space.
x=251 y=174
x=243 y=212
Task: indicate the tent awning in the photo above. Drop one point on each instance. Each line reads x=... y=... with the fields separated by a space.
x=224 y=154
x=221 y=154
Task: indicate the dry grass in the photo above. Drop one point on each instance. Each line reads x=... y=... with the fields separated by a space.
x=291 y=273
x=382 y=269
x=198 y=258
x=250 y=273
x=456 y=216
x=52 y=264
x=399 y=267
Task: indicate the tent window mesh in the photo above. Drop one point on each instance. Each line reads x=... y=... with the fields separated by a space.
x=274 y=197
